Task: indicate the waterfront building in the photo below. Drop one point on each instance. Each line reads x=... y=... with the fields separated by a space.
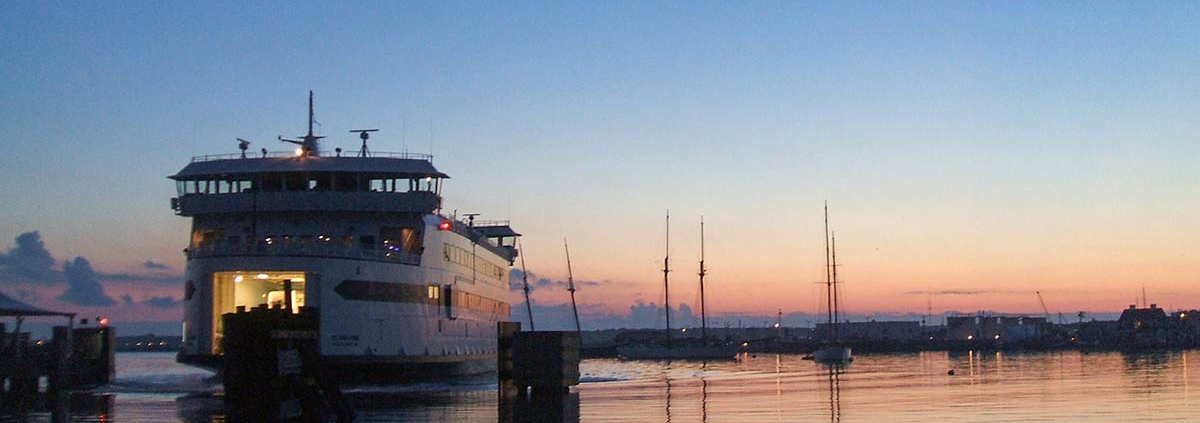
x=875 y=331
x=995 y=328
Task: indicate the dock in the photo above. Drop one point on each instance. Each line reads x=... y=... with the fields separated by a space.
x=38 y=374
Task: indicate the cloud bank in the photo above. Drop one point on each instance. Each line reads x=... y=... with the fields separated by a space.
x=29 y=267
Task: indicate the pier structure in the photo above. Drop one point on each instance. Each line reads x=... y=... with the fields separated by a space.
x=74 y=358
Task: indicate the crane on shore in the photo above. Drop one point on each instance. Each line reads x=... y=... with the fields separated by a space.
x=1045 y=310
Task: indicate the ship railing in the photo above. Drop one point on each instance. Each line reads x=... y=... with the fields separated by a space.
x=278 y=154
x=484 y=223
x=311 y=250
x=469 y=232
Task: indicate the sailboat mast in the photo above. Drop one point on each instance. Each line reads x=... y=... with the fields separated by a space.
x=828 y=275
x=525 y=287
x=666 y=282
x=571 y=285
x=703 y=317
x=837 y=318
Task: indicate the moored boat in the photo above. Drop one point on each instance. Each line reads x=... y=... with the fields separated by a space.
x=834 y=352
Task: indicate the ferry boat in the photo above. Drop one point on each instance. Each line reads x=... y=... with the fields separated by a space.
x=402 y=291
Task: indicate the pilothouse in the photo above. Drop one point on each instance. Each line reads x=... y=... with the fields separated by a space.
x=401 y=290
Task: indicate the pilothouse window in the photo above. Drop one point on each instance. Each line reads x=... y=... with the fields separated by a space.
x=398 y=239
x=295 y=182
x=203 y=238
x=423 y=184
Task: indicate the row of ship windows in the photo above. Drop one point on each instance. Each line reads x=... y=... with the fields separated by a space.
x=396 y=239
x=340 y=182
x=461 y=256
x=467 y=300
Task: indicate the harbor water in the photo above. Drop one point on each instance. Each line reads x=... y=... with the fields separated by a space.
x=984 y=386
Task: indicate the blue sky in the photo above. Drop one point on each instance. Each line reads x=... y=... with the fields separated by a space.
x=961 y=144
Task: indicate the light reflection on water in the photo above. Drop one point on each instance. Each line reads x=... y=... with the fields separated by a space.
x=986 y=386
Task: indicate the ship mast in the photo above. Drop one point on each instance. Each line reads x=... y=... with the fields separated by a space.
x=308 y=143
x=837 y=318
x=525 y=285
x=571 y=285
x=666 y=282
x=703 y=318
x=828 y=276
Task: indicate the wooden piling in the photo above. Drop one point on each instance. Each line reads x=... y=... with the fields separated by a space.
x=93 y=356
x=546 y=361
x=272 y=370
x=536 y=371
x=59 y=373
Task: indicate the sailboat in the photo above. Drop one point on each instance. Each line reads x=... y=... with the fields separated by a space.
x=834 y=352
x=681 y=349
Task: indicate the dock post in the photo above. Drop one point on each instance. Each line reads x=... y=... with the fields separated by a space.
x=60 y=363
x=272 y=370
x=93 y=356
x=546 y=361
x=544 y=367
x=505 y=332
x=6 y=357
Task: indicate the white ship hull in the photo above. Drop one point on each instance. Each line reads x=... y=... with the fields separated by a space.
x=378 y=320
x=833 y=355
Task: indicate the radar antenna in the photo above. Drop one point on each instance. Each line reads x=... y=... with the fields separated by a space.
x=243 y=145
x=364 y=135
x=471 y=218
x=308 y=143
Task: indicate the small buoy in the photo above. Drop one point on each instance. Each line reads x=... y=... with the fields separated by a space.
x=951 y=372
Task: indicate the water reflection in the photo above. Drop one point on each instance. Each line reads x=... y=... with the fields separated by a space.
x=667 y=380
x=199 y=409
x=557 y=407
x=1012 y=387
x=1142 y=361
x=778 y=386
x=75 y=407
x=703 y=393
x=1149 y=372
x=834 y=375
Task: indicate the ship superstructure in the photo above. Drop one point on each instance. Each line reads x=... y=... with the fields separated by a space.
x=401 y=290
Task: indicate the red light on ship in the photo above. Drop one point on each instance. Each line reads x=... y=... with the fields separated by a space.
x=445 y=225
x=103 y=321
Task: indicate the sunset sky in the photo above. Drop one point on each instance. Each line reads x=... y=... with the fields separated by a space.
x=972 y=153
